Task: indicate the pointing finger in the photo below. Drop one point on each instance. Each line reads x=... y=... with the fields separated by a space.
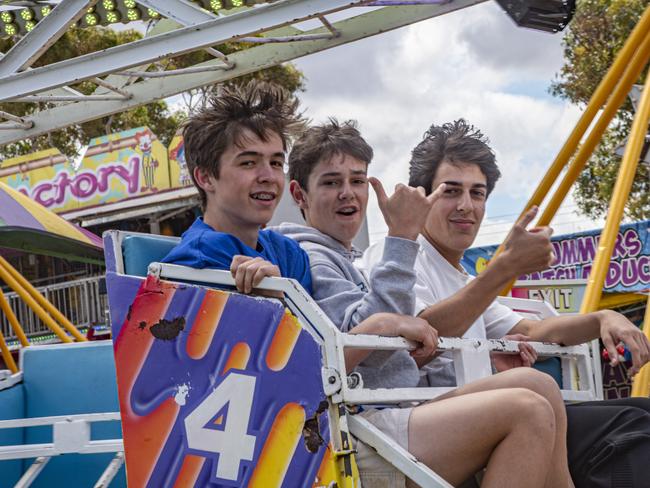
x=528 y=217
x=437 y=193
x=379 y=190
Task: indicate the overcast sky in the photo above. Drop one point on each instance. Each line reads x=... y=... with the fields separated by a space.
x=474 y=63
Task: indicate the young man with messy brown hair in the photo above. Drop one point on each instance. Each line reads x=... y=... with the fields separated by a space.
x=235 y=150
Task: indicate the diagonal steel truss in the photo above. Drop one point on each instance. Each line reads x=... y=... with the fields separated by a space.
x=275 y=32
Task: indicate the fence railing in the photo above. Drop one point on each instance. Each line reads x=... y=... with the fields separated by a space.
x=83 y=302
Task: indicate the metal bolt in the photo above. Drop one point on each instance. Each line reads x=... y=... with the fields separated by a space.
x=332 y=379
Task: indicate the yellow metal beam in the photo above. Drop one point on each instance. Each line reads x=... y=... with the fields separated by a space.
x=31 y=303
x=41 y=300
x=614 y=102
x=617 y=203
x=6 y=355
x=597 y=100
x=614 y=300
x=600 y=95
x=641 y=383
x=13 y=321
x=621 y=90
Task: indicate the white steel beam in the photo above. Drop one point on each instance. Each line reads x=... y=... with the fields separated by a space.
x=34 y=470
x=185 y=13
x=46 y=32
x=111 y=470
x=392 y=452
x=20 y=122
x=181 y=41
x=247 y=61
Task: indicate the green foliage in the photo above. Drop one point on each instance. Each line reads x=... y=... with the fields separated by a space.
x=162 y=121
x=596 y=34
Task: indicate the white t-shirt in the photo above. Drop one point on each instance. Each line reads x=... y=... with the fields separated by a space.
x=437 y=279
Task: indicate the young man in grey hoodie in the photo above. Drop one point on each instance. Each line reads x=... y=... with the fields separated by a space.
x=334 y=208
x=328 y=168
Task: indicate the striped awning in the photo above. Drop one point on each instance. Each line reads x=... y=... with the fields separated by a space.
x=28 y=226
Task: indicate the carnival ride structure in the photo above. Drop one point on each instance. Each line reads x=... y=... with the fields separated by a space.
x=134 y=74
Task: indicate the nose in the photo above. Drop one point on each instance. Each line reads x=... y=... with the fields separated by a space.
x=266 y=173
x=346 y=191
x=465 y=203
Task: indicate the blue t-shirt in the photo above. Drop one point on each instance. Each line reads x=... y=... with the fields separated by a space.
x=203 y=247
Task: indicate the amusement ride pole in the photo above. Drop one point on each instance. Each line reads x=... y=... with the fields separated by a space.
x=617 y=203
x=599 y=97
x=31 y=303
x=41 y=300
x=13 y=321
x=6 y=355
x=587 y=148
x=641 y=384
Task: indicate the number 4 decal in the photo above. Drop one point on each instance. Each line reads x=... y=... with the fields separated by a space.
x=233 y=444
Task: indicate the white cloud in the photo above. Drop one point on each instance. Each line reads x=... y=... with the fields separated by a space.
x=474 y=63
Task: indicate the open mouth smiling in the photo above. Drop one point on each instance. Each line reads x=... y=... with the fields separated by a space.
x=264 y=196
x=347 y=211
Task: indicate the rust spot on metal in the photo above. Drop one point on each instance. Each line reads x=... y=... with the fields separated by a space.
x=168 y=330
x=311 y=430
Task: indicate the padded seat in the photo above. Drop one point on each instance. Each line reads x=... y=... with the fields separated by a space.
x=62 y=379
x=140 y=250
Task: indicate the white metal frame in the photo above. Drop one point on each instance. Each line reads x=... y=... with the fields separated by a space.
x=273 y=30
x=70 y=434
x=9 y=379
x=471 y=359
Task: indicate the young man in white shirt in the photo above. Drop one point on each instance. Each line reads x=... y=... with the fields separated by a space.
x=456 y=436
x=458 y=305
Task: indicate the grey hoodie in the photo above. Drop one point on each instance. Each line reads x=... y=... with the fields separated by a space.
x=348 y=297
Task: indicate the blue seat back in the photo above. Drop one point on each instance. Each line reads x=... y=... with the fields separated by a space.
x=553 y=367
x=12 y=406
x=140 y=250
x=71 y=379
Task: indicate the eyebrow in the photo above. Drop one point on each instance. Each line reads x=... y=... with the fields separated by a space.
x=458 y=183
x=338 y=173
x=255 y=153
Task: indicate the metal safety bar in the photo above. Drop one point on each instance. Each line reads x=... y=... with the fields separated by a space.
x=70 y=434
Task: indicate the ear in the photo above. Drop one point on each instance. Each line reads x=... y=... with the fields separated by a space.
x=203 y=179
x=298 y=194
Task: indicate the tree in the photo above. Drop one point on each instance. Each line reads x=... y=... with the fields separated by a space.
x=162 y=121
x=286 y=75
x=594 y=37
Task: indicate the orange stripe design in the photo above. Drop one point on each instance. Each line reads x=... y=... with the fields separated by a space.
x=284 y=340
x=189 y=471
x=145 y=436
x=238 y=358
x=205 y=324
x=278 y=450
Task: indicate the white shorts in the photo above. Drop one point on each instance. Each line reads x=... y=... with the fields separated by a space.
x=374 y=470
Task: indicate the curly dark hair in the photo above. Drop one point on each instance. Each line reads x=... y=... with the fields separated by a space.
x=455 y=142
x=321 y=143
x=259 y=107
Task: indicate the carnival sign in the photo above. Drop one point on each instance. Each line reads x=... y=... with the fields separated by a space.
x=116 y=167
x=629 y=268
